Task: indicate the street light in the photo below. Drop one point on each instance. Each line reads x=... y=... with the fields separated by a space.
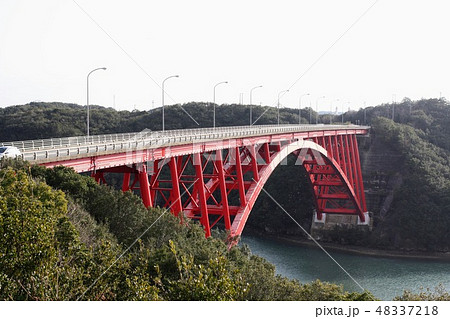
x=278 y=105
x=214 y=102
x=251 y=91
x=331 y=107
x=162 y=100
x=87 y=99
x=317 y=108
x=300 y=108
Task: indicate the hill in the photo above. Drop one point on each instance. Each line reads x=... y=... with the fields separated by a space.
x=45 y=120
x=405 y=162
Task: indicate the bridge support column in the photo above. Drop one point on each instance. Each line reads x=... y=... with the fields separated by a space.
x=144 y=186
x=200 y=186
x=126 y=182
x=98 y=176
x=254 y=162
x=349 y=163
x=360 y=179
x=266 y=153
x=240 y=177
x=154 y=183
x=223 y=189
x=175 y=194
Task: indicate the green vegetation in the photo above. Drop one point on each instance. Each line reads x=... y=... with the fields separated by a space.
x=437 y=294
x=80 y=240
x=420 y=213
x=419 y=216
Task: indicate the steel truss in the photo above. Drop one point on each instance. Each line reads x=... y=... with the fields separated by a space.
x=221 y=186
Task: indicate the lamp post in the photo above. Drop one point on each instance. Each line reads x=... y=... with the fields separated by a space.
x=251 y=91
x=310 y=112
x=214 y=102
x=317 y=107
x=278 y=106
x=162 y=100
x=300 y=108
x=331 y=109
x=87 y=99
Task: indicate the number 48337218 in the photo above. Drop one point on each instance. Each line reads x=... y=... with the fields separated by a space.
x=407 y=310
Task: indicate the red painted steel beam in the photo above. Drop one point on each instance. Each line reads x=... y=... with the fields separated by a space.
x=343 y=162
x=360 y=178
x=144 y=187
x=266 y=153
x=333 y=196
x=348 y=162
x=240 y=177
x=154 y=183
x=353 y=166
x=175 y=194
x=218 y=210
x=328 y=183
x=254 y=162
x=200 y=186
x=126 y=182
x=225 y=210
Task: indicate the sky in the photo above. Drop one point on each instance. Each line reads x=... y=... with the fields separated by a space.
x=344 y=54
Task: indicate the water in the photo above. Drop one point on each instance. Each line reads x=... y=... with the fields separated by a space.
x=384 y=277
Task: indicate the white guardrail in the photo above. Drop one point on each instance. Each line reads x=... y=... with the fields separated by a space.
x=55 y=148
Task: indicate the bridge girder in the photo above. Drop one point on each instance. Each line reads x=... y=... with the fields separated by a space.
x=219 y=180
x=223 y=185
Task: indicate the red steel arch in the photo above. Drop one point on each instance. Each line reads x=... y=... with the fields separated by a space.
x=221 y=184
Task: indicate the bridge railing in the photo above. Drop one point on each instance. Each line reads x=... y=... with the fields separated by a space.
x=55 y=148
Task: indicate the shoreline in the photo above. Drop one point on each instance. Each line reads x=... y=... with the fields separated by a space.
x=357 y=250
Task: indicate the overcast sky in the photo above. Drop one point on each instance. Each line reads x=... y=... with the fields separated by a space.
x=355 y=51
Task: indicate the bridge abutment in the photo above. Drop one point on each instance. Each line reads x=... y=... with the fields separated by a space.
x=339 y=227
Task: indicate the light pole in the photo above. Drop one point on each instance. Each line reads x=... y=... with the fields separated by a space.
x=162 y=100
x=317 y=107
x=214 y=101
x=87 y=99
x=278 y=105
x=300 y=108
x=310 y=112
x=331 y=114
x=251 y=91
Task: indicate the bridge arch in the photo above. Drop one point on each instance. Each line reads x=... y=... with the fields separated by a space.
x=308 y=154
x=215 y=174
x=223 y=184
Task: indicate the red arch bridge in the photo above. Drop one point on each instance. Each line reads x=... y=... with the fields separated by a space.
x=216 y=175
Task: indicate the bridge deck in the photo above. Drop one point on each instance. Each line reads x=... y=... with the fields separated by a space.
x=78 y=149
